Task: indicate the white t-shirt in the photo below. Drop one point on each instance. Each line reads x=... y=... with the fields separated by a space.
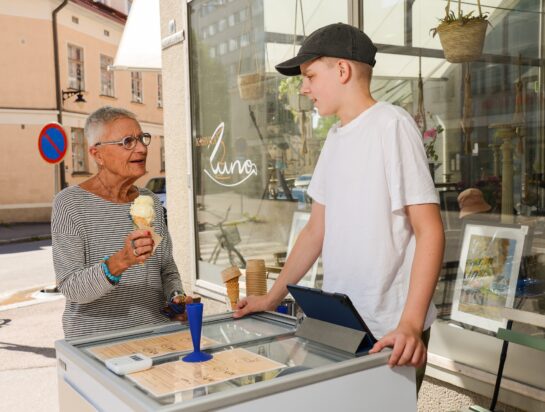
x=368 y=171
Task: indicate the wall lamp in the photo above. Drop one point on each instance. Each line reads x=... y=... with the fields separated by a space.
x=68 y=94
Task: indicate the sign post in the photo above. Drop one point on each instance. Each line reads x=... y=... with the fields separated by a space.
x=52 y=144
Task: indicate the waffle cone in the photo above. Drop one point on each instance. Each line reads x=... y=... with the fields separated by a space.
x=230 y=273
x=232 y=291
x=141 y=223
x=144 y=224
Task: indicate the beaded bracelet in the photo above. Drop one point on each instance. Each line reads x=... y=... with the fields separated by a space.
x=114 y=280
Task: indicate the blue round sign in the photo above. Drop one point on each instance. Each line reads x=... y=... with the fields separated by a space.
x=52 y=143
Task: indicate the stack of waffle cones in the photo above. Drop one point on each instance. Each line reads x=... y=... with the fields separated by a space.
x=230 y=278
x=256 y=277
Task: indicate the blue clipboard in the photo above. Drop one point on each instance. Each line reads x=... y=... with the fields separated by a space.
x=334 y=308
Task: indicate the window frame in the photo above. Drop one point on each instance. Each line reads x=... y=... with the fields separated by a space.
x=75 y=83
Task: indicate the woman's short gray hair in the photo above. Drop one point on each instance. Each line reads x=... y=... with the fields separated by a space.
x=94 y=126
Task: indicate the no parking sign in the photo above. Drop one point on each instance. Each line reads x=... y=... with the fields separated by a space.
x=52 y=143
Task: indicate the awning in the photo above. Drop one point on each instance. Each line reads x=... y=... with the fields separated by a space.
x=140 y=45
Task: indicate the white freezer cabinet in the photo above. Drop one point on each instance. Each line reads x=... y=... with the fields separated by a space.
x=259 y=364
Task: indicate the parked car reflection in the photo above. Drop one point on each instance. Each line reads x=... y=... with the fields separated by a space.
x=300 y=186
x=158 y=186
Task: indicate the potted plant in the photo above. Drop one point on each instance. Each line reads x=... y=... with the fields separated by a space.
x=429 y=137
x=290 y=88
x=462 y=35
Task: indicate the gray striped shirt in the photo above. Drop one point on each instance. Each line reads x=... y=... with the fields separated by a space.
x=85 y=228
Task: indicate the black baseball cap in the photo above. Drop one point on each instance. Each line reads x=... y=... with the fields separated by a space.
x=335 y=40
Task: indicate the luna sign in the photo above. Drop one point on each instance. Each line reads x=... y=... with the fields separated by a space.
x=228 y=174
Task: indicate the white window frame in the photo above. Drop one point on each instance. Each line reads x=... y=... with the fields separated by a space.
x=80 y=162
x=159 y=90
x=137 y=95
x=105 y=89
x=76 y=81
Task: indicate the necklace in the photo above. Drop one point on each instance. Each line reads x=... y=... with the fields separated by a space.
x=108 y=192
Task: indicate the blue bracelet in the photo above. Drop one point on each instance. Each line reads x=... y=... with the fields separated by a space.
x=114 y=280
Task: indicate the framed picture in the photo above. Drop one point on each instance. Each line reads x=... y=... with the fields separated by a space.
x=487 y=274
x=299 y=221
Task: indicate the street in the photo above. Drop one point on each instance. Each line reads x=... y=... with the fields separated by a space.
x=25 y=266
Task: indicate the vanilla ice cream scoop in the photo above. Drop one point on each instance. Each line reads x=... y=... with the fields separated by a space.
x=142 y=211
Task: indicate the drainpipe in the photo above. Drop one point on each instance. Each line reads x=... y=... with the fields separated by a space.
x=58 y=90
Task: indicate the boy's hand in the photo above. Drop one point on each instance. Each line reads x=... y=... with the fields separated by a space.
x=251 y=304
x=408 y=349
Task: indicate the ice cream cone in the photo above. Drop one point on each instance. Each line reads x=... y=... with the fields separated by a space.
x=141 y=223
x=142 y=212
x=232 y=291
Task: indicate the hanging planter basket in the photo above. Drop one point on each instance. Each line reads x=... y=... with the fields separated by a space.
x=251 y=86
x=462 y=36
x=462 y=42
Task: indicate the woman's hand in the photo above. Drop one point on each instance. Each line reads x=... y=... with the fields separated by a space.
x=138 y=248
x=182 y=317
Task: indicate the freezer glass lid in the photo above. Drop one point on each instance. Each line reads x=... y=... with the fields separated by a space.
x=172 y=380
x=176 y=339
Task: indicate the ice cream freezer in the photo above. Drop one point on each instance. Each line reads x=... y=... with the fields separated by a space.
x=259 y=364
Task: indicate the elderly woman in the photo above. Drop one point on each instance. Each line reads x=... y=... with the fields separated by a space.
x=104 y=267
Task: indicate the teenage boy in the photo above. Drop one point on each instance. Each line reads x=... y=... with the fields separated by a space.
x=375 y=218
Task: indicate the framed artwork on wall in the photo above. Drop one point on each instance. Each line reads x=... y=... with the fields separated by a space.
x=488 y=270
x=299 y=221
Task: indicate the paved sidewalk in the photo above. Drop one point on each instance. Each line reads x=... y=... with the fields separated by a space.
x=24 y=232
x=28 y=369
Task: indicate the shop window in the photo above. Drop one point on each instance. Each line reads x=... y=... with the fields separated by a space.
x=79 y=151
x=136 y=87
x=264 y=144
x=106 y=76
x=75 y=68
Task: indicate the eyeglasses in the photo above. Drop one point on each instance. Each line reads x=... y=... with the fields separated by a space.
x=129 y=142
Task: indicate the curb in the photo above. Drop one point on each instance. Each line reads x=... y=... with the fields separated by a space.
x=24 y=239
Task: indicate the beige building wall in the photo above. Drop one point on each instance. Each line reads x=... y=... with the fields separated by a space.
x=27 y=99
x=178 y=142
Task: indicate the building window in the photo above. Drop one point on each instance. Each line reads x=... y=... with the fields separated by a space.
x=244 y=40
x=233 y=44
x=231 y=20
x=159 y=90
x=136 y=87
x=75 y=20
x=106 y=33
x=162 y=153
x=75 y=68
x=106 y=76
x=79 y=151
x=222 y=25
x=222 y=48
